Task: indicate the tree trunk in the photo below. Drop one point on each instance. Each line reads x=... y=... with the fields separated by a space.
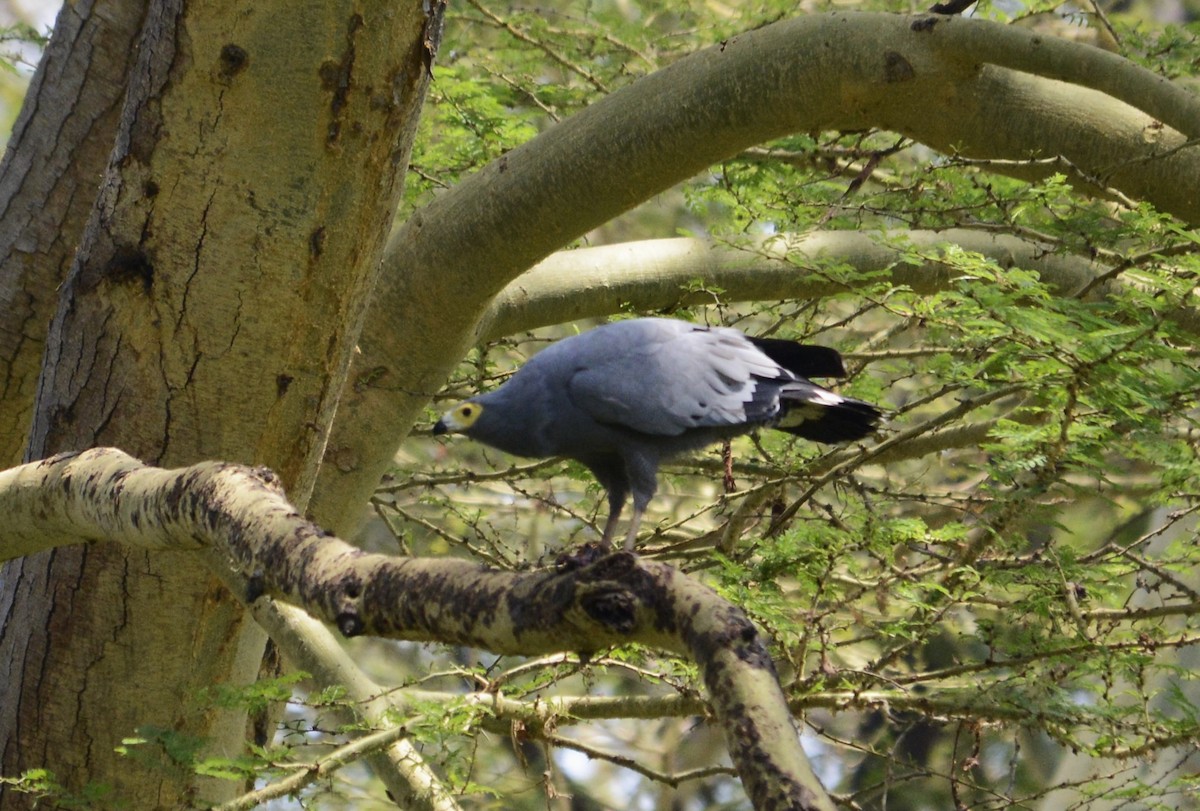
x=210 y=313
x=59 y=147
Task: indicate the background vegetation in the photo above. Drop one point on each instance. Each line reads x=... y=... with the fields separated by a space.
x=993 y=604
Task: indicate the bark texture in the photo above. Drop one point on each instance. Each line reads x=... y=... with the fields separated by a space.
x=590 y=600
x=210 y=312
x=58 y=150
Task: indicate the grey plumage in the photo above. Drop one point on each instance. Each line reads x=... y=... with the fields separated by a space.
x=624 y=396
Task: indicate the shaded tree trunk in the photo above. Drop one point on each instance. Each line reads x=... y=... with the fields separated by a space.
x=59 y=148
x=210 y=312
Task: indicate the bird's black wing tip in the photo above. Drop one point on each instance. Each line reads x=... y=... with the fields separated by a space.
x=805 y=360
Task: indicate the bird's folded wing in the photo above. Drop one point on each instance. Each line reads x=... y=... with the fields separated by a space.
x=694 y=380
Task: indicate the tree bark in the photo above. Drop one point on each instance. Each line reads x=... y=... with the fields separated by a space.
x=589 y=600
x=59 y=147
x=211 y=312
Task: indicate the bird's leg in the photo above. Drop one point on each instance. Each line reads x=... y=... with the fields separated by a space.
x=617 y=493
x=641 y=469
x=610 y=529
x=611 y=472
x=631 y=535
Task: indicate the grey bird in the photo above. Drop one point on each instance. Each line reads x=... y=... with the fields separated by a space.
x=622 y=397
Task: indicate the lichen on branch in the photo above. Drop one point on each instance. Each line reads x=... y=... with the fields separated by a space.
x=590 y=599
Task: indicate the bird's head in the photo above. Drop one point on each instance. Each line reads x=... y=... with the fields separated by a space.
x=497 y=419
x=459 y=419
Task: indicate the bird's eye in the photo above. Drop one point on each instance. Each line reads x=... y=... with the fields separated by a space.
x=468 y=413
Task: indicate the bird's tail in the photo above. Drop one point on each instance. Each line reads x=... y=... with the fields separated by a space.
x=820 y=415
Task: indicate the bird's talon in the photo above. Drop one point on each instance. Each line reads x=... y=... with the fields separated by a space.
x=581 y=556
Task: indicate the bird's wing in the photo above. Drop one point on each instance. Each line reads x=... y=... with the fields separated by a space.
x=664 y=377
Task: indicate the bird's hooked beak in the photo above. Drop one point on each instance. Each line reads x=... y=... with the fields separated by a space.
x=459 y=419
x=448 y=424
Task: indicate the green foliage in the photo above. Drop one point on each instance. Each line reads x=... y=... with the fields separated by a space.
x=998 y=597
x=17 y=43
x=997 y=577
x=43 y=789
x=254 y=697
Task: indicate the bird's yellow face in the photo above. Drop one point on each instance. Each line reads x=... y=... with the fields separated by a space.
x=459 y=419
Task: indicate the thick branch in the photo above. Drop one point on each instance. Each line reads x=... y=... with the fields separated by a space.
x=659 y=274
x=921 y=76
x=586 y=603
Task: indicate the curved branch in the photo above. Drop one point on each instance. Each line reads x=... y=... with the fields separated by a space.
x=1027 y=51
x=659 y=274
x=921 y=76
x=309 y=646
x=589 y=601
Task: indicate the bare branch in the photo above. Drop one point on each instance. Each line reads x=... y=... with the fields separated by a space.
x=308 y=773
x=658 y=274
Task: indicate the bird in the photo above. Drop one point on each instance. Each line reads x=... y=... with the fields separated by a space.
x=622 y=397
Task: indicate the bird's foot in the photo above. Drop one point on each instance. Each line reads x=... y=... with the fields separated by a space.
x=581 y=556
